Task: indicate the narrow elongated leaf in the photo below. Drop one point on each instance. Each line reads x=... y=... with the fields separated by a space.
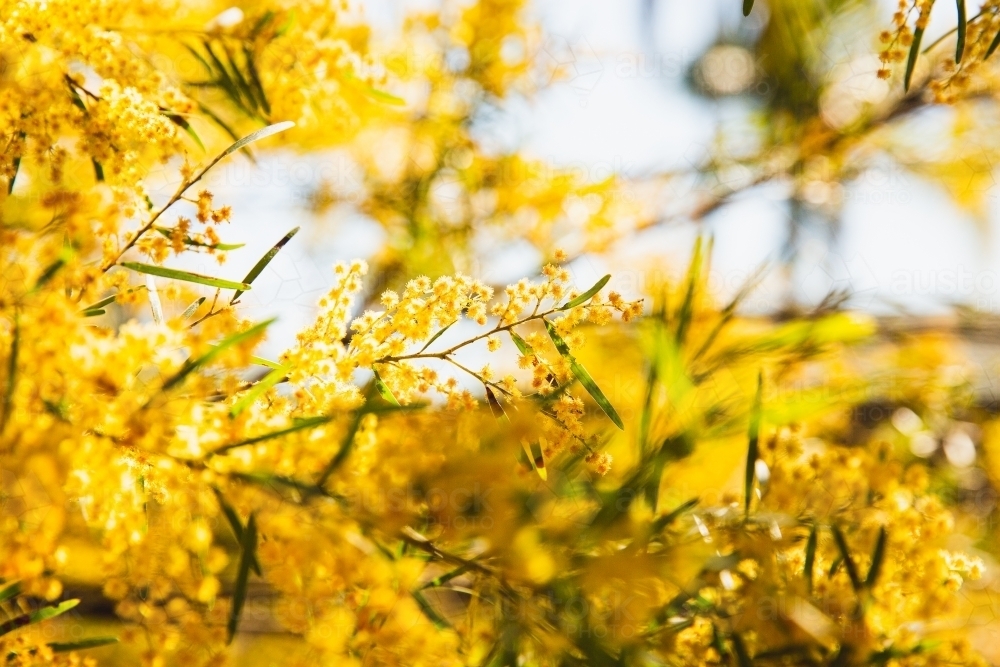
x=445 y=578
x=226 y=343
x=264 y=261
x=8 y=395
x=301 y=425
x=94 y=312
x=255 y=392
x=10 y=591
x=747 y=7
x=667 y=519
x=521 y=344
x=740 y=651
x=583 y=298
x=753 y=449
x=911 y=60
x=37 y=616
x=432 y=615
x=811 y=555
x=193 y=308
x=234 y=522
x=962 y=28
x=248 y=549
x=83 y=644
x=686 y=311
x=845 y=553
x=261 y=361
x=110 y=299
x=878 y=555
x=495 y=407
x=262 y=133
x=168 y=232
x=13 y=176
x=183 y=123
x=436 y=336
x=583 y=376
x=384 y=390
x=993 y=46
x=186 y=276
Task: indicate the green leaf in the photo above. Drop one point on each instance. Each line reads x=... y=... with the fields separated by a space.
x=374 y=93
x=911 y=60
x=962 y=28
x=264 y=261
x=83 y=644
x=667 y=519
x=878 y=555
x=445 y=578
x=993 y=46
x=383 y=390
x=234 y=522
x=300 y=425
x=583 y=376
x=8 y=396
x=37 y=616
x=747 y=7
x=686 y=311
x=186 y=276
x=261 y=361
x=262 y=133
x=521 y=344
x=168 y=232
x=740 y=651
x=852 y=568
x=193 y=308
x=183 y=123
x=214 y=351
x=429 y=611
x=753 y=450
x=248 y=548
x=583 y=298
x=17 y=167
x=252 y=394
x=94 y=312
x=495 y=407
x=436 y=336
x=10 y=591
x=98 y=170
x=811 y=555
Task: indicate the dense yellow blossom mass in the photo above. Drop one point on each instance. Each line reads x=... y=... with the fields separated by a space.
x=354 y=493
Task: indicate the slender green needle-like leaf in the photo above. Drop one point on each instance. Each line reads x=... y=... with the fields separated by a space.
x=83 y=644
x=183 y=123
x=845 y=553
x=8 y=395
x=13 y=176
x=226 y=343
x=94 y=312
x=878 y=556
x=264 y=261
x=962 y=28
x=168 y=232
x=522 y=345
x=811 y=555
x=261 y=361
x=753 y=449
x=586 y=296
x=258 y=87
x=686 y=311
x=740 y=651
x=186 y=276
x=248 y=550
x=37 y=616
x=747 y=7
x=432 y=615
x=10 y=591
x=383 y=389
x=436 y=336
x=255 y=392
x=911 y=60
x=300 y=425
x=234 y=522
x=662 y=522
x=583 y=376
x=993 y=46
x=262 y=133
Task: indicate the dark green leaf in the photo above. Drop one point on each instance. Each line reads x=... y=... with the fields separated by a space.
x=10 y=591
x=993 y=46
x=300 y=425
x=845 y=553
x=495 y=407
x=962 y=28
x=227 y=342
x=264 y=261
x=747 y=7
x=234 y=522
x=584 y=377
x=583 y=298
x=37 y=616
x=248 y=549
x=911 y=60
x=193 y=308
x=384 y=390
x=13 y=176
x=740 y=651
x=186 y=276
x=183 y=123
x=83 y=644
x=753 y=449
x=878 y=555
x=811 y=555
x=445 y=578
x=94 y=312
x=667 y=519
x=429 y=611
x=98 y=171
